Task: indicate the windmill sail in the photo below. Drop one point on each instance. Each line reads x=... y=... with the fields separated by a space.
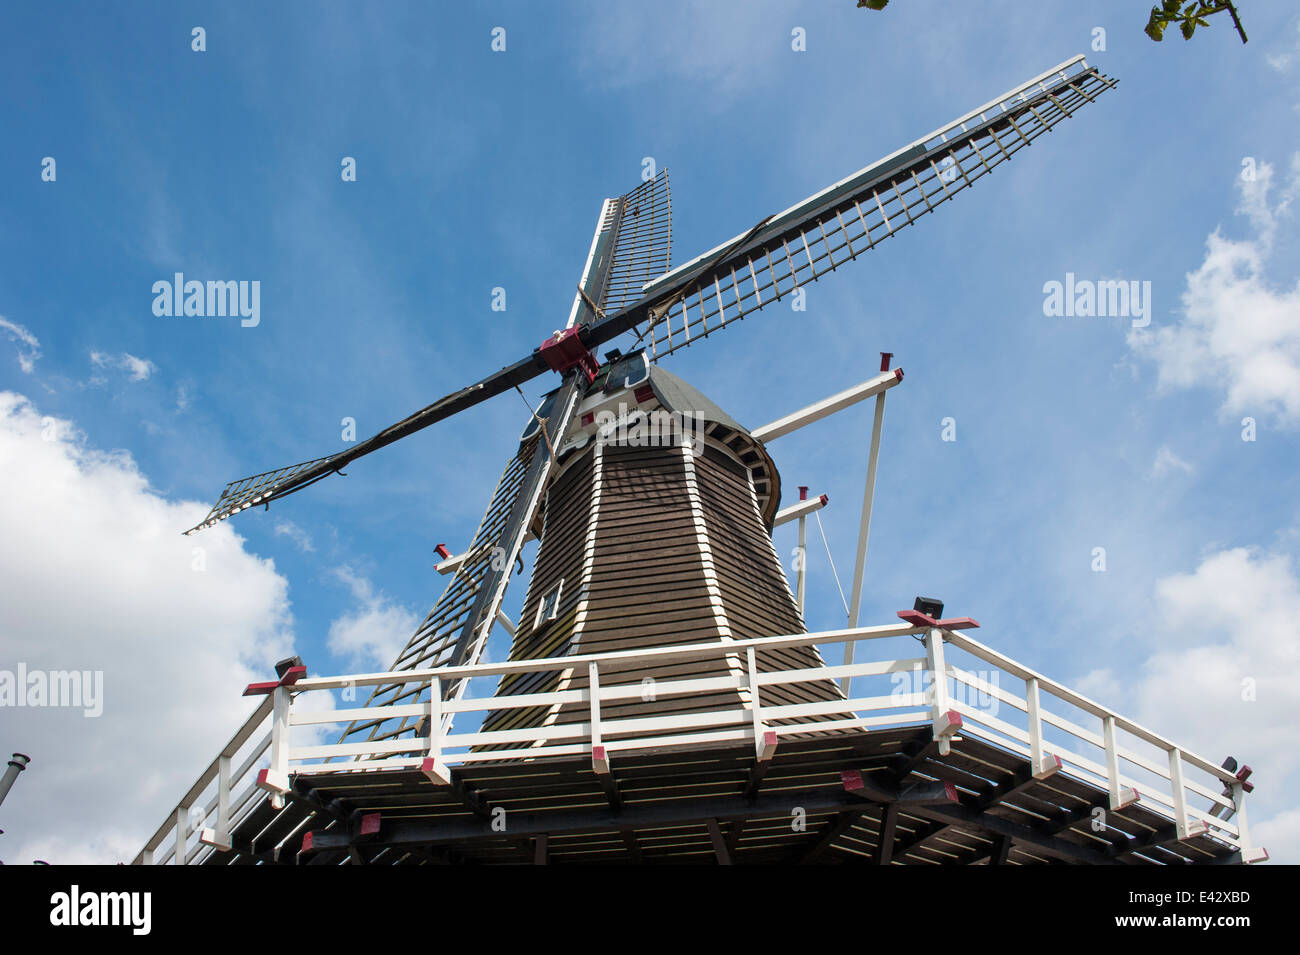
x=762 y=266
x=835 y=226
x=644 y=244
x=631 y=246
x=456 y=630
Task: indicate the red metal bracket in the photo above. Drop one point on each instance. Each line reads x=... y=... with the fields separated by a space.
x=565 y=350
x=918 y=619
x=291 y=676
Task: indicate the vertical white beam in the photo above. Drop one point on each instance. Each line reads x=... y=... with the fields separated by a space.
x=1120 y=796
x=219 y=837
x=1179 y=792
x=599 y=761
x=182 y=823
x=764 y=740
x=1249 y=851
x=944 y=720
x=275 y=778
x=434 y=767
x=223 y=799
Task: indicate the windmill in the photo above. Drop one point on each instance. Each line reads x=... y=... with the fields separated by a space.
x=654 y=512
x=626 y=291
x=566 y=481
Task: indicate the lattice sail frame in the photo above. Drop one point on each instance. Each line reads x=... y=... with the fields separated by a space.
x=643 y=249
x=450 y=635
x=837 y=225
x=255 y=489
x=434 y=641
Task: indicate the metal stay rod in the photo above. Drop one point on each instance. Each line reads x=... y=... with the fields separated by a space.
x=864 y=529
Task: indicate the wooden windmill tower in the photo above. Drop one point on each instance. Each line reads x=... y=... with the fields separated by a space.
x=657 y=602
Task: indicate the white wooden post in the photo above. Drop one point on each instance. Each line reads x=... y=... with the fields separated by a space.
x=599 y=758
x=1185 y=828
x=146 y=857
x=434 y=767
x=182 y=821
x=219 y=837
x=946 y=720
x=1041 y=763
x=1120 y=796
x=1249 y=851
x=764 y=739
x=275 y=778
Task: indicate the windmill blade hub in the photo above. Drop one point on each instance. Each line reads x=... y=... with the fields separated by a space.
x=564 y=351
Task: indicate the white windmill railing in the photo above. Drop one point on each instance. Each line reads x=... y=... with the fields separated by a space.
x=982 y=695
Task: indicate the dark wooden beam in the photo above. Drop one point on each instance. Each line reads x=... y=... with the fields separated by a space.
x=966 y=815
x=1001 y=851
x=719 y=843
x=884 y=853
x=835 y=828
x=633 y=849
x=734 y=832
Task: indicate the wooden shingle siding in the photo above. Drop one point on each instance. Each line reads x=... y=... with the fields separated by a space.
x=755 y=593
x=657 y=547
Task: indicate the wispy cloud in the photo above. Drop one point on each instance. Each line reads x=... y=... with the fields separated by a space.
x=137 y=369
x=373 y=633
x=29 y=349
x=1167 y=462
x=301 y=539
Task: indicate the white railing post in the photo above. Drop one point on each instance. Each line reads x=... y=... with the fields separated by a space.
x=946 y=720
x=599 y=758
x=182 y=821
x=764 y=739
x=1184 y=828
x=275 y=779
x=1041 y=763
x=1249 y=851
x=146 y=857
x=1120 y=796
x=434 y=766
x=219 y=837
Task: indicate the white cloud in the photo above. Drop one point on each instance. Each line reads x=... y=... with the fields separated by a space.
x=1232 y=624
x=95 y=575
x=29 y=349
x=137 y=369
x=1167 y=462
x=300 y=538
x=1237 y=333
x=374 y=633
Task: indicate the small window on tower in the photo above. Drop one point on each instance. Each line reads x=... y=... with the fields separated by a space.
x=549 y=608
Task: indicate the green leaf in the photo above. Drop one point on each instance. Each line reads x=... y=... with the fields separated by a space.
x=1189 y=27
x=1155 y=30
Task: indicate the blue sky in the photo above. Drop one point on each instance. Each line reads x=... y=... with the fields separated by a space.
x=478 y=169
